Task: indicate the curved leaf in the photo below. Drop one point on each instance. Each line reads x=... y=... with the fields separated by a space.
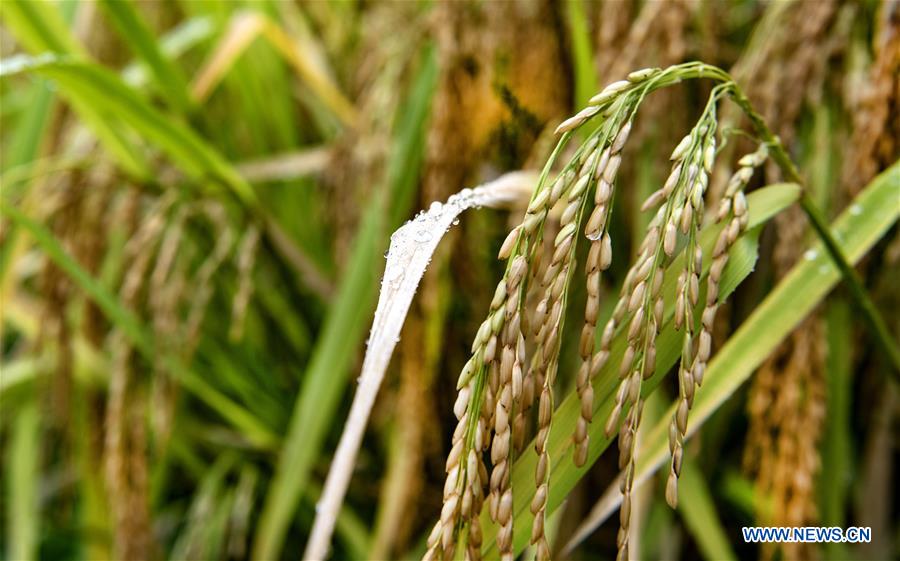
x=88 y=83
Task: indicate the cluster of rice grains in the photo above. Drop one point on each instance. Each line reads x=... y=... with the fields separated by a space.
x=499 y=383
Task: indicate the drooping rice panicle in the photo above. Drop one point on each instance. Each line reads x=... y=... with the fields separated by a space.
x=497 y=389
x=642 y=305
x=489 y=400
x=694 y=357
x=597 y=170
x=599 y=259
x=510 y=391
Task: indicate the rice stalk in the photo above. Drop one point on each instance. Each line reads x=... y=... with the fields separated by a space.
x=596 y=162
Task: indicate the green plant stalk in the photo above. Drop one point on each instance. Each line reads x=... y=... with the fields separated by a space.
x=582 y=57
x=699 y=513
x=21 y=477
x=836 y=447
x=857 y=291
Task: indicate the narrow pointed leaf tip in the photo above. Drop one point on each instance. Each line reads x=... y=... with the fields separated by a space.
x=412 y=246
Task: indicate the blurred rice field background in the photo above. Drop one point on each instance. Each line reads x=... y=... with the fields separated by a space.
x=197 y=200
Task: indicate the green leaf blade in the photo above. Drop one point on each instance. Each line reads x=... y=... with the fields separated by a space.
x=139 y=38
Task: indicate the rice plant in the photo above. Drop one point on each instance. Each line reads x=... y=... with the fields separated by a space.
x=207 y=206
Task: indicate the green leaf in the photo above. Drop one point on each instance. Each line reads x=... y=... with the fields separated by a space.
x=89 y=85
x=86 y=84
x=172 y=45
x=40 y=27
x=699 y=513
x=25 y=143
x=326 y=377
x=763 y=204
x=582 y=57
x=837 y=448
x=21 y=477
x=26 y=139
x=140 y=39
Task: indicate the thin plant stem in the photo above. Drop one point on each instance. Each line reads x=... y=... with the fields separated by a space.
x=857 y=291
x=854 y=283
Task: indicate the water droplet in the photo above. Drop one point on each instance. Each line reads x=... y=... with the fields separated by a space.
x=455 y=221
x=393 y=273
x=595 y=236
x=423 y=236
x=435 y=207
x=856 y=210
x=810 y=254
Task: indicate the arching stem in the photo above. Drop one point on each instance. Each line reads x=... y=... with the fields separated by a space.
x=857 y=291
